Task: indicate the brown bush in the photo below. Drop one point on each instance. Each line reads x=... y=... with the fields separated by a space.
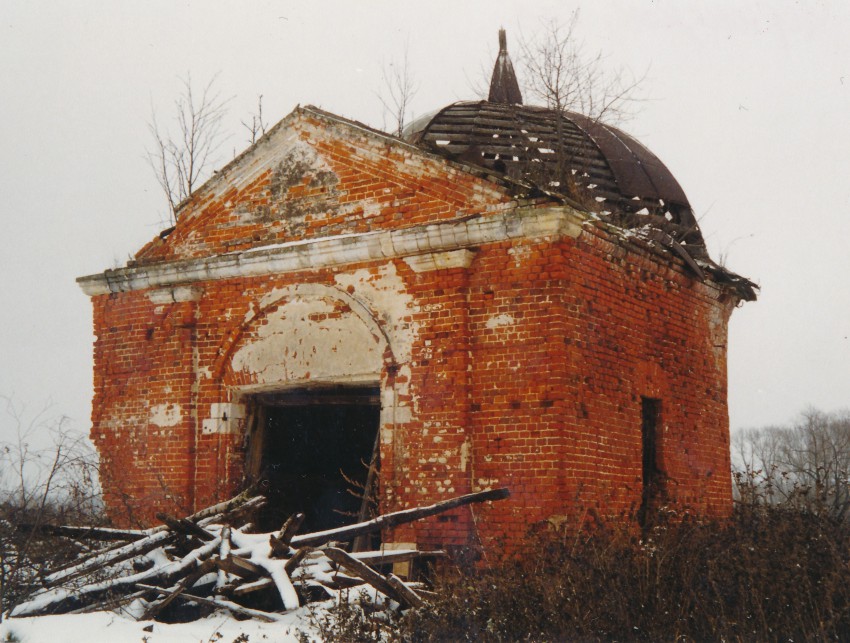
x=770 y=573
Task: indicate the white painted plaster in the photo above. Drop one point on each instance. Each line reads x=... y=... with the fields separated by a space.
x=498 y=321
x=385 y=292
x=165 y=415
x=176 y=294
x=310 y=339
x=440 y=260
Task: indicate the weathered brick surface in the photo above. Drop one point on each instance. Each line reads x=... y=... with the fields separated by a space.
x=519 y=364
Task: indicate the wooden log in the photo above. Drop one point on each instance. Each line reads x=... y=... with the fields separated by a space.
x=233 y=515
x=223 y=552
x=413 y=599
x=249 y=588
x=185 y=527
x=231 y=509
x=222 y=604
x=296 y=559
x=396 y=518
x=362 y=570
x=226 y=507
x=388 y=557
x=63 y=602
x=111 y=557
x=92 y=533
x=205 y=568
x=290 y=528
x=241 y=567
x=110 y=603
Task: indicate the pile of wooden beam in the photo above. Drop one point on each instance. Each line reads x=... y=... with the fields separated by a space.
x=213 y=560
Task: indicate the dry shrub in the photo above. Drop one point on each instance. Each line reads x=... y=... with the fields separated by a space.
x=770 y=573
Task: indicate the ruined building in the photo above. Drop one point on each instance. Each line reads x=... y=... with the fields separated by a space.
x=507 y=296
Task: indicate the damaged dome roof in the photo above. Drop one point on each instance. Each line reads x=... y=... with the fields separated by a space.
x=596 y=164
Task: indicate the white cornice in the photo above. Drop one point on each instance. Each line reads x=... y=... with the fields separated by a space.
x=312 y=254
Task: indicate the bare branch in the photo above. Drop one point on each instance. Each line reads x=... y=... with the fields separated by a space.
x=181 y=162
x=399 y=89
x=559 y=73
x=257 y=127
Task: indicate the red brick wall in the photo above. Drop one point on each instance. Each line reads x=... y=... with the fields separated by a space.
x=525 y=369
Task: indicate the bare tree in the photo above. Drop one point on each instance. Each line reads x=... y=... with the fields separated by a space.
x=181 y=161
x=38 y=485
x=559 y=72
x=399 y=89
x=257 y=127
x=806 y=464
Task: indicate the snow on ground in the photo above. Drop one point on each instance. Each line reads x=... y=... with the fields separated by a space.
x=108 y=627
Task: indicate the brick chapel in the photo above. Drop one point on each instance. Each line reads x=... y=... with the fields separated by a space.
x=506 y=296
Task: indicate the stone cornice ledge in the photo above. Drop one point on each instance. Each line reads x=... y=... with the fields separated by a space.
x=313 y=254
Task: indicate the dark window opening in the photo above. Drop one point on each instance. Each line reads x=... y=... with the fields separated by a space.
x=310 y=449
x=651 y=473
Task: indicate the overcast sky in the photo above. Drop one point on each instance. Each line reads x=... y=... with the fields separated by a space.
x=748 y=104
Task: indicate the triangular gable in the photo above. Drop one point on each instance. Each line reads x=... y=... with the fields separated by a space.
x=315 y=175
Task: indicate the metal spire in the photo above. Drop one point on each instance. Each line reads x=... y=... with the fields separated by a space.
x=504 y=87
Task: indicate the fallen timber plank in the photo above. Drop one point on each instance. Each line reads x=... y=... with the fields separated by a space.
x=296 y=559
x=110 y=557
x=279 y=542
x=61 y=602
x=396 y=518
x=344 y=559
x=226 y=507
x=232 y=514
x=205 y=568
x=220 y=603
x=412 y=598
x=290 y=528
x=241 y=567
x=387 y=557
x=248 y=588
x=184 y=526
x=111 y=603
x=203 y=517
x=91 y=533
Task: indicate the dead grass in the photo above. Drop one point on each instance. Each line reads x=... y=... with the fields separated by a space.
x=768 y=574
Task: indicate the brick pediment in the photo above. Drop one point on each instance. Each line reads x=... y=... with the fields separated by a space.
x=315 y=175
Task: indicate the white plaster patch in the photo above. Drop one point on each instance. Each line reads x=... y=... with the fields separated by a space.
x=464 y=455
x=310 y=339
x=386 y=294
x=174 y=295
x=227 y=410
x=520 y=254
x=164 y=415
x=498 y=321
x=440 y=260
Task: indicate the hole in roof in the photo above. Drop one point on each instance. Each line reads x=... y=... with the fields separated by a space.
x=599 y=199
x=643 y=211
x=443 y=142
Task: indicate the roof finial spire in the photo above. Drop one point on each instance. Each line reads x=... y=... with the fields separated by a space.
x=504 y=87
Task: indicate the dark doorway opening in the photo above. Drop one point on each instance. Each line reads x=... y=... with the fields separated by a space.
x=312 y=450
x=651 y=473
